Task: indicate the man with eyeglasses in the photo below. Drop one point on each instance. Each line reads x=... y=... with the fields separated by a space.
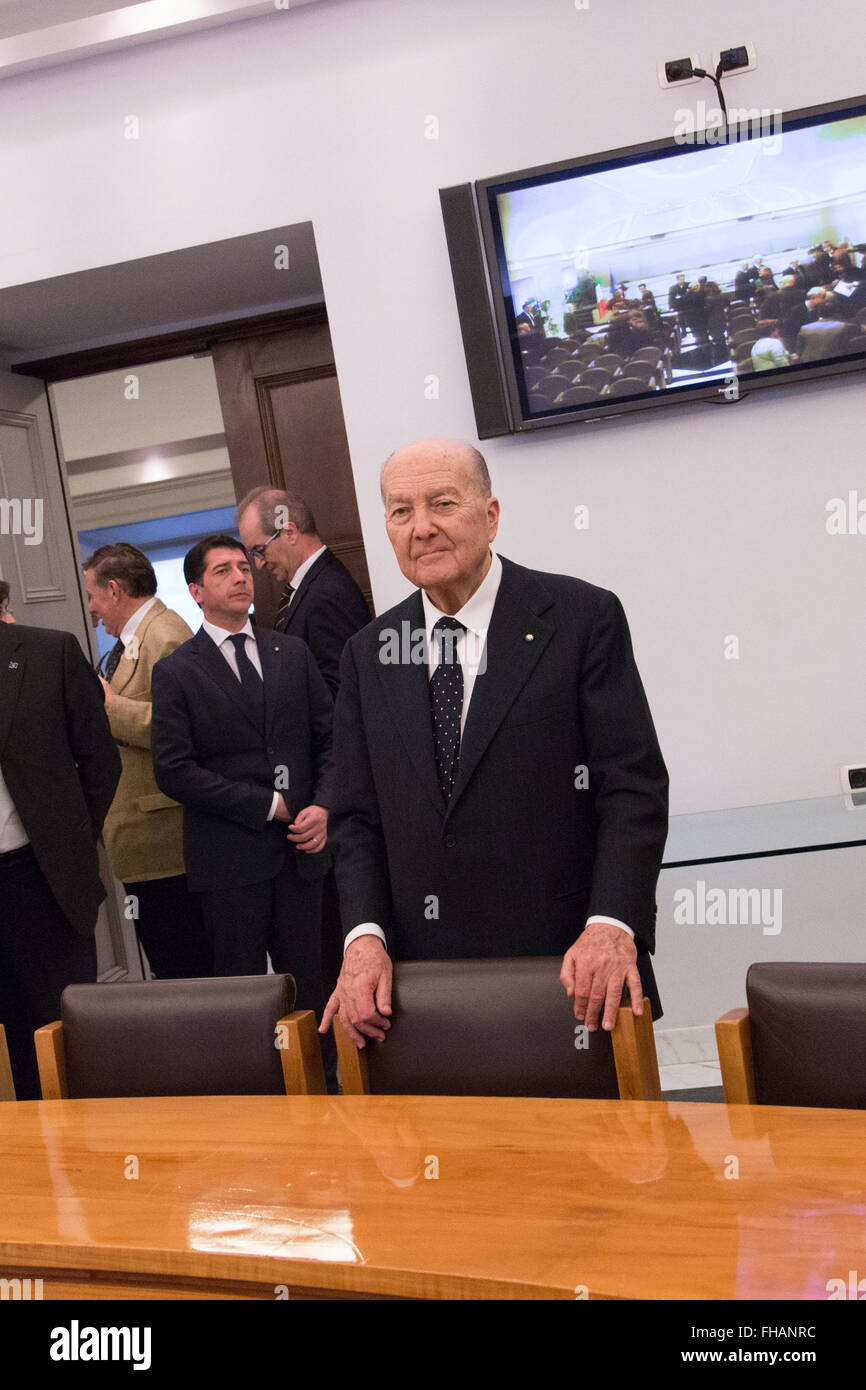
x=321 y=603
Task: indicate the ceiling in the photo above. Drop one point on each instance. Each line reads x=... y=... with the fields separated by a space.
x=43 y=33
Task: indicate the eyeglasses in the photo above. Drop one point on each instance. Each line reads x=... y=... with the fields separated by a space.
x=259 y=550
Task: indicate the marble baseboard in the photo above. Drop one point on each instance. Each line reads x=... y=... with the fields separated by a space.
x=688 y=1058
x=690 y=1076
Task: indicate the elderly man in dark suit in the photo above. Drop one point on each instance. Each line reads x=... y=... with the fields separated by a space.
x=500 y=790
x=241 y=737
x=59 y=768
x=321 y=602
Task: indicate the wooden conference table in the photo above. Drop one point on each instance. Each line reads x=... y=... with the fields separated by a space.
x=429 y=1197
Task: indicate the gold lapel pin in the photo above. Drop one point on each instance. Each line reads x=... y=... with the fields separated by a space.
x=530 y=636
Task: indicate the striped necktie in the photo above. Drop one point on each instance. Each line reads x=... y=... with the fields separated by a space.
x=113 y=661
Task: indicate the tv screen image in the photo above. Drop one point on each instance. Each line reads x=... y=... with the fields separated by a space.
x=680 y=270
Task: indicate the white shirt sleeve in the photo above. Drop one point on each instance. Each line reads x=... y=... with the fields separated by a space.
x=365 y=929
x=613 y=921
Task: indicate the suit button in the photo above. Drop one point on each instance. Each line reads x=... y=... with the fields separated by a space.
x=450 y=841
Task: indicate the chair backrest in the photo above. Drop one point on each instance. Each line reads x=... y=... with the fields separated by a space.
x=7 y=1085
x=487 y=1028
x=807 y=1022
x=208 y=1037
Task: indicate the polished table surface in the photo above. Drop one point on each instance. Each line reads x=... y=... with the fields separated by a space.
x=430 y=1197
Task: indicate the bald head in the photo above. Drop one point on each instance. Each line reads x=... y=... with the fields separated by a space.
x=441 y=518
x=450 y=452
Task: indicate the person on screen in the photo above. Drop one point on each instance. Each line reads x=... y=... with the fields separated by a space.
x=695 y=310
x=676 y=298
x=531 y=317
x=769 y=351
x=791 y=310
x=828 y=336
x=649 y=306
x=743 y=282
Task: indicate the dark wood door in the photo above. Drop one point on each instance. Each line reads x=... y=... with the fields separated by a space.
x=284 y=426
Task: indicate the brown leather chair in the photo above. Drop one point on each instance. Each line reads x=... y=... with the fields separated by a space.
x=232 y=1035
x=7 y=1085
x=497 y=1028
x=801 y=1041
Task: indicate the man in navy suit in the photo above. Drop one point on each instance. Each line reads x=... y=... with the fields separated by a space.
x=241 y=737
x=321 y=602
x=500 y=789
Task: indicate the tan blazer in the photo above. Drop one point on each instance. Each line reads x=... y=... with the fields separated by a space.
x=144 y=828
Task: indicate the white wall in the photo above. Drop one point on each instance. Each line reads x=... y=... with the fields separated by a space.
x=707 y=521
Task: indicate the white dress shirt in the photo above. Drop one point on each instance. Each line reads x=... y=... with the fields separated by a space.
x=131 y=625
x=221 y=635
x=475 y=616
x=299 y=573
x=12 y=832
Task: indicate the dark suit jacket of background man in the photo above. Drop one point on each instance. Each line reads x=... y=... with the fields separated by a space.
x=519 y=858
x=326 y=610
x=59 y=761
x=209 y=755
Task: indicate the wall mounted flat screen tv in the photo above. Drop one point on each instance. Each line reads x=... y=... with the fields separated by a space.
x=677 y=270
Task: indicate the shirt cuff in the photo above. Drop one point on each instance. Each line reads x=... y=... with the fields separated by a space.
x=613 y=922
x=274 y=804
x=365 y=929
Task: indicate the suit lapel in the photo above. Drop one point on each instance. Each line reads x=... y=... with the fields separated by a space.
x=11 y=677
x=127 y=666
x=519 y=632
x=269 y=655
x=302 y=590
x=214 y=664
x=406 y=687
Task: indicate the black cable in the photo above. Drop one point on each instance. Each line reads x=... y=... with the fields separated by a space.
x=716 y=80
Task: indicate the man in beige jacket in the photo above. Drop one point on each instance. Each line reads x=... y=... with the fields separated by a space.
x=143 y=831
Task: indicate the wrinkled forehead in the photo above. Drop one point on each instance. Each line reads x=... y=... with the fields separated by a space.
x=422 y=476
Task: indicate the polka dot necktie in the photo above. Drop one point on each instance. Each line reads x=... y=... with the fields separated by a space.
x=446 y=703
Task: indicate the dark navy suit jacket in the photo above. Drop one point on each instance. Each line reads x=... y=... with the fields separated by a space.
x=326 y=611
x=211 y=756
x=523 y=852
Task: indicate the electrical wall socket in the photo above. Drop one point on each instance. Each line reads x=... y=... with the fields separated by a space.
x=854 y=786
x=684 y=82
x=735 y=72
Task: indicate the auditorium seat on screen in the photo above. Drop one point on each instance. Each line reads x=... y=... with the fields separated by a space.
x=209 y=1037
x=7 y=1087
x=596 y=376
x=549 y=386
x=497 y=1028
x=630 y=386
x=802 y=1039
x=610 y=361
x=577 y=395
x=644 y=371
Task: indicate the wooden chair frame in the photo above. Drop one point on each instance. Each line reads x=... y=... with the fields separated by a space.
x=7 y=1085
x=297 y=1034
x=634 y=1051
x=734 y=1041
